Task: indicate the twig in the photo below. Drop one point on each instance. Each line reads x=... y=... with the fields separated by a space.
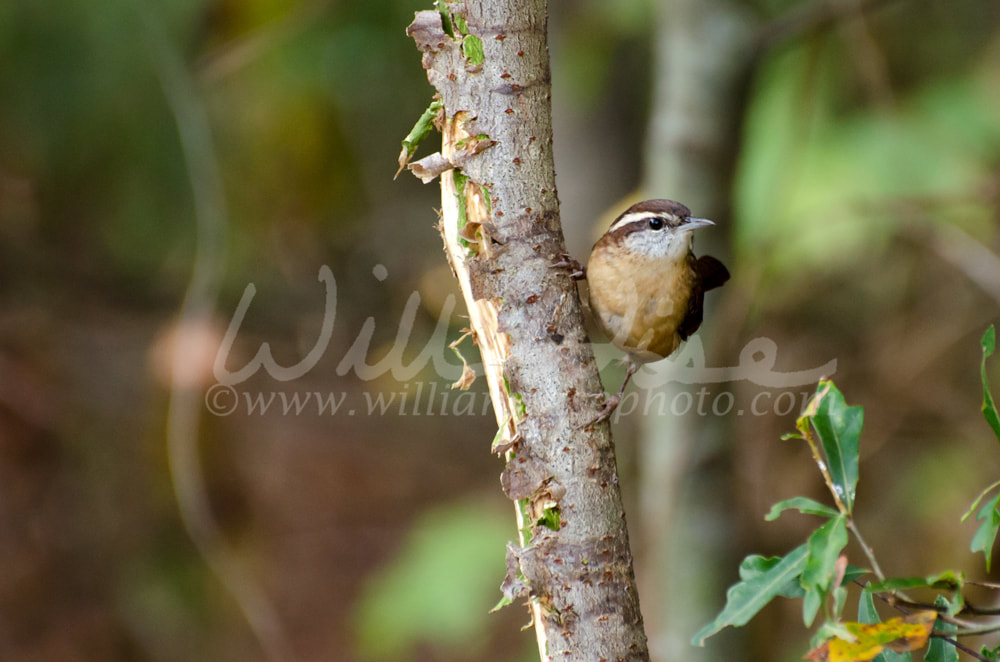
x=981 y=611
x=969 y=256
x=921 y=606
x=970 y=627
x=899 y=605
x=869 y=553
x=974 y=630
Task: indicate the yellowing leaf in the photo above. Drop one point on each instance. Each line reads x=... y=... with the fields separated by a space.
x=900 y=634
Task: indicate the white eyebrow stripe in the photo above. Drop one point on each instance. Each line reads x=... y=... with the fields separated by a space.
x=632 y=218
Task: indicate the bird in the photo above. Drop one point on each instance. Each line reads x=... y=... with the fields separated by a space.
x=646 y=286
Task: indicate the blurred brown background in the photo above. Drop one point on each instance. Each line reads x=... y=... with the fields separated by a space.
x=859 y=216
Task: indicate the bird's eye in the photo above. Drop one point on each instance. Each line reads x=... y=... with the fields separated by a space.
x=656 y=224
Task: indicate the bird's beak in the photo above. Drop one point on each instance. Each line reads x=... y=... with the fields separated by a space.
x=695 y=223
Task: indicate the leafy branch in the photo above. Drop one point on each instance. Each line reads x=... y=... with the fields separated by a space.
x=817 y=571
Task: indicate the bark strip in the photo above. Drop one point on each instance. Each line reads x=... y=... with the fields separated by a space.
x=500 y=221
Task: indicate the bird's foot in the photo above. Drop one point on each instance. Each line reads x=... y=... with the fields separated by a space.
x=576 y=270
x=611 y=403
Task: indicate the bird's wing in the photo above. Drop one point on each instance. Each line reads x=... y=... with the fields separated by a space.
x=712 y=272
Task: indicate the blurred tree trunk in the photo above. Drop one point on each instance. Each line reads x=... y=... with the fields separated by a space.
x=500 y=220
x=704 y=53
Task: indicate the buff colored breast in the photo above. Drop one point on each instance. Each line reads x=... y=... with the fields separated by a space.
x=632 y=304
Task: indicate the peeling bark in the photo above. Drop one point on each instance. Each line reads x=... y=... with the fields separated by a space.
x=500 y=221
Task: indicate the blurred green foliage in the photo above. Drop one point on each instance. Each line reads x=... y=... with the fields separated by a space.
x=826 y=184
x=440 y=587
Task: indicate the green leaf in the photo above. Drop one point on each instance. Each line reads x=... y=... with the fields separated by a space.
x=984 y=538
x=839 y=430
x=866 y=607
x=955 y=604
x=989 y=343
x=824 y=545
x=520 y=410
x=472 y=49
x=839 y=600
x=460 y=180
x=746 y=598
x=421 y=129
x=803 y=505
x=947 y=580
x=504 y=601
x=939 y=650
x=802 y=422
x=755 y=565
x=990 y=653
x=979 y=498
x=810 y=605
x=446 y=22
x=550 y=518
x=853 y=573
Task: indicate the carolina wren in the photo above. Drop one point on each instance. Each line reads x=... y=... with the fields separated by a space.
x=647 y=288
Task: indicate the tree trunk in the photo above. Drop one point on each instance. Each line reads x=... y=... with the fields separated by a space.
x=500 y=221
x=705 y=51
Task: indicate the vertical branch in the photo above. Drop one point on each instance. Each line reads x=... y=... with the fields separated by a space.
x=703 y=61
x=500 y=220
